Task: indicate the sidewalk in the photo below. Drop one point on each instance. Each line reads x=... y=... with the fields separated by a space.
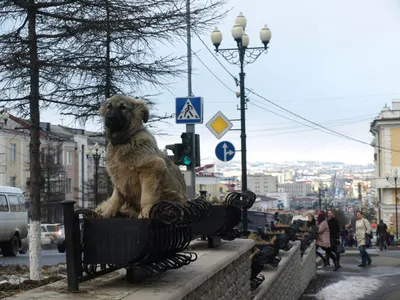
x=378 y=281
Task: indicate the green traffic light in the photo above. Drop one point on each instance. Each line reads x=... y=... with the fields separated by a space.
x=186 y=160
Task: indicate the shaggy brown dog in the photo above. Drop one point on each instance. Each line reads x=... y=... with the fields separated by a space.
x=142 y=175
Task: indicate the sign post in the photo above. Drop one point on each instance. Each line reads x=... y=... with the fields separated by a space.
x=189 y=111
x=219 y=125
x=225 y=151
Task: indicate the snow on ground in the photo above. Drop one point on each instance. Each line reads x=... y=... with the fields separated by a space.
x=352 y=288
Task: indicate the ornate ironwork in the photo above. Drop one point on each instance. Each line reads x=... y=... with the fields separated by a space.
x=282 y=242
x=256 y=282
x=266 y=256
x=257 y=264
x=171 y=213
x=306 y=237
x=245 y=199
x=232 y=55
x=221 y=220
x=152 y=245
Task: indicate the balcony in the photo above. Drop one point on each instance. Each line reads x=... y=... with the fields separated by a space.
x=382 y=183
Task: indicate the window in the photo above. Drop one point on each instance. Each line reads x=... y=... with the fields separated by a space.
x=14 y=203
x=21 y=201
x=12 y=180
x=68 y=158
x=13 y=152
x=3 y=203
x=68 y=186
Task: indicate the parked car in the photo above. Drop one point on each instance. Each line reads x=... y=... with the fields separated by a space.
x=45 y=239
x=61 y=235
x=13 y=220
x=61 y=239
x=256 y=220
x=52 y=229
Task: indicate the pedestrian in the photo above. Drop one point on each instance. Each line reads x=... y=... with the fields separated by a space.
x=351 y=235
x=363 y=232
x=323 y=240
x=344 y=235
x=334 y=231
x=391 y=234
x=312 y=225
x=381 y=231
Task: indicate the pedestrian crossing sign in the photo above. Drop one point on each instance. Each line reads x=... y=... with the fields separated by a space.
x=189 y=110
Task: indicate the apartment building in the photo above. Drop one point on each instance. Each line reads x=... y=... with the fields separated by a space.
x=385 y=129
x=296 y=189
x=262 y=184
x=66 y=170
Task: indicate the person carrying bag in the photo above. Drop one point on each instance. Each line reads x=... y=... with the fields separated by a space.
x=363 y=235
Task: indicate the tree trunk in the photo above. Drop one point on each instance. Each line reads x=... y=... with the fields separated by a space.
x=108 y=55
x=34 y=152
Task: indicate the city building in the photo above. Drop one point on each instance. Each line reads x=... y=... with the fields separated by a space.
x=209 y=180
x=67 y=173
x=296 y=189
x=385 y=129
x=262 y=184
x=272 y=201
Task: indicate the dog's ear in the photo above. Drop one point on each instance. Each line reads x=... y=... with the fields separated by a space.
x=141 y=106
x=103 y=107
x=145 y=113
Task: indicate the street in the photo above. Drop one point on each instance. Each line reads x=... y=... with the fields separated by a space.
x=379 y=281
x=49 y=257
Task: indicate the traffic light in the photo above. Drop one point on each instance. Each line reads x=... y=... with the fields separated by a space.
x=183 y=153
x=187 y=148
x=177 y=150
x=197 y=152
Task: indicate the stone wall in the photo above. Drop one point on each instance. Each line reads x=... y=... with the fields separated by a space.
x=231 y=283
x=289 y=280
x=222 y=273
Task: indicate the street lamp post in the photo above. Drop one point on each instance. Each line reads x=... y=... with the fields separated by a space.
x=241 y=55
x=95 y=156
x=396 y=200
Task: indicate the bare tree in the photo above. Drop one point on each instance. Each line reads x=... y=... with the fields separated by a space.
x=105 y=188
x=53 y=179
x=113 y=47
x=74 y=53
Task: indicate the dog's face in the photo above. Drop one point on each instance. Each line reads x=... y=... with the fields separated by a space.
x=122 y=114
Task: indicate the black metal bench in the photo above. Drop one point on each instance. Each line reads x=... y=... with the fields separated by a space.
x=146 y=246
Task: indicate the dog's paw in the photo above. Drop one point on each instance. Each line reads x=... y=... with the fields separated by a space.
x=129 y=213
x=144 y=214
x=106 y=210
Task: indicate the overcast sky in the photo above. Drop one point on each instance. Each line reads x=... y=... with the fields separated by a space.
x=334 y=62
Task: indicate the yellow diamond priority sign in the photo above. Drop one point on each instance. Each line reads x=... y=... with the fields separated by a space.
x=219 y=125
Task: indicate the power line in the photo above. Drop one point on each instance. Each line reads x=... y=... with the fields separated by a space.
x=205 y=45
x=327 y=130
x=195 y=54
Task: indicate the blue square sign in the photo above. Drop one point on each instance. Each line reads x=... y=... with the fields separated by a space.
x=189 y=110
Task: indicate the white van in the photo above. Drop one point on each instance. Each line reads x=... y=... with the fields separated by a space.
x=13 y=220
x=299 y=217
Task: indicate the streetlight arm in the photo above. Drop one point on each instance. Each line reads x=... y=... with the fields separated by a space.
x=232 y=55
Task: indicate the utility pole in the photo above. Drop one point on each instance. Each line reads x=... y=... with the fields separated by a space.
x=83 y=175
x=191 y=169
